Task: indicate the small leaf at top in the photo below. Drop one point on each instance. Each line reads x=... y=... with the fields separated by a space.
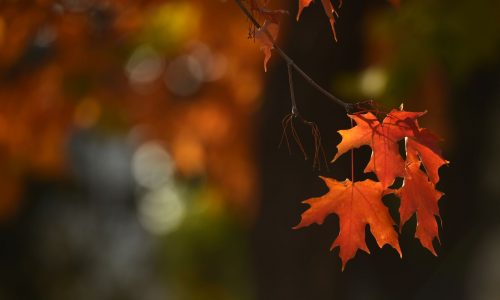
x=266 y=44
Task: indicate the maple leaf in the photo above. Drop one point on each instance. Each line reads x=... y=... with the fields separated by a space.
x=386 y=161
x=418 y=195
x=357 y=204
x=424 y=144
x=266 y=44
x=267 y=33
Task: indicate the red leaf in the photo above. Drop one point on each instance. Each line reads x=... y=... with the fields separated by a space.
x=418 y=195
x=266 y=44
x=330 y=13
x=386 y=161
x=357 y=205
x=424 y=144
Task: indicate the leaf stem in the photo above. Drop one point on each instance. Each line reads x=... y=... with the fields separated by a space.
x=352 y=159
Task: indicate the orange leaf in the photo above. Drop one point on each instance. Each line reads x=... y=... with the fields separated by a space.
x=357 y=205
x=418 y=195
x=330 y=13
x=266 y=44
x=425 y=145
x=386 y=161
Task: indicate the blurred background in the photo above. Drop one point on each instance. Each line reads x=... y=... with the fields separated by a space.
x=140 y=158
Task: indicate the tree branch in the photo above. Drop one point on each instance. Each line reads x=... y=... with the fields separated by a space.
x=347 y=106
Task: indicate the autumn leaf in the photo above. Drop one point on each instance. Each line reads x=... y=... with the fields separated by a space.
x=266 y=44
x=360 y=203
x=418 y=195
x=424 y=144
x=357 y=204
x=330 y=13
x=267 y=33
x=386 y=161
x=403 y=123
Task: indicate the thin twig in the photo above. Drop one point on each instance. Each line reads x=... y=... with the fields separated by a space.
x=292 y=92
x=290 y=62
x=287 y=124
x=352 y=158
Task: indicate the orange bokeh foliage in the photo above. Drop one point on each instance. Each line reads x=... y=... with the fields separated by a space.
x=82 y=82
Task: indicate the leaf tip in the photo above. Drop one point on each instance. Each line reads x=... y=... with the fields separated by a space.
x=398 y=249
x=343 y=265
x=302 y=4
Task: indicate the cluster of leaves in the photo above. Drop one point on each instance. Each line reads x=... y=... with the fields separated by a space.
x=358 y=204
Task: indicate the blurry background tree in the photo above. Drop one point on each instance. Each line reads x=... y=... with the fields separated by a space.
x=139 y=148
